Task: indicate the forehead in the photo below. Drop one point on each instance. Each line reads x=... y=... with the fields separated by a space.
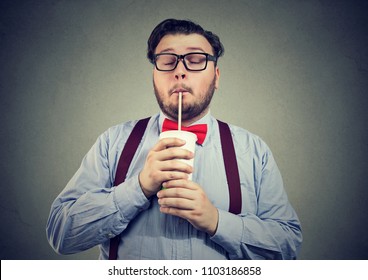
x=182 y=43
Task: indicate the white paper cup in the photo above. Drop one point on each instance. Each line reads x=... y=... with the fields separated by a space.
x=190 y=141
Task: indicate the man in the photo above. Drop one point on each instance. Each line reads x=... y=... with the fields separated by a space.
x=157 y=213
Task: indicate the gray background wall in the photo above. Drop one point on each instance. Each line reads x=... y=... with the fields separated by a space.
x=294 y=72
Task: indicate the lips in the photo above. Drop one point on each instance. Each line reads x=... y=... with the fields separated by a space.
x=180 y=89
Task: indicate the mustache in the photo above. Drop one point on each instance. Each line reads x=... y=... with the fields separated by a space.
x=181 y=86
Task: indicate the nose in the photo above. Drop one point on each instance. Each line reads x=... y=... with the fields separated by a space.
x=180 y=76
x=180 y=71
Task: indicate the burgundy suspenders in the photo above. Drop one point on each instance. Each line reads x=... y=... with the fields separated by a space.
x=123 y=165
x=128 y=152
x=231 y=168
x=228 y=152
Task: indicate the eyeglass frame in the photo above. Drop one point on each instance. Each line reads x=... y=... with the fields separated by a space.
x=181 y=57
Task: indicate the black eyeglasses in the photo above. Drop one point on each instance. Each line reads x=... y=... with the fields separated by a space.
x=194 y=61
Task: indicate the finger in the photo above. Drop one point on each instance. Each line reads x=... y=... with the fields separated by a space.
x=174 y=153
x=174 y=202
x=180 y=184
x=184 y=214
x=175 y=165
x=173 y=175
x=167 y=143
x=177 y=193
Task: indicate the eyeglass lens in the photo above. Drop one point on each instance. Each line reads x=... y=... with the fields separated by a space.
x=168 y=62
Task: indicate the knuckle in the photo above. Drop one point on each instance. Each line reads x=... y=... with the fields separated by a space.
x=187 y=153
x=179 y=142
x=177 y=165
x=155 y=175
x=179 y=203
x=173 y=153
x=167 y=142
x=177 y=192
x=150 y=156
x=202 y=196
x=163 y=142
x=189 y=169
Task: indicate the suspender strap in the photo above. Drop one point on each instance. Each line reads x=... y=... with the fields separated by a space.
x=123 y=165
x=231 y=168
x=129 y=150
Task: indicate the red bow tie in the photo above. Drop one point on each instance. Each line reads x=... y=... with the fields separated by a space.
x=199 y=129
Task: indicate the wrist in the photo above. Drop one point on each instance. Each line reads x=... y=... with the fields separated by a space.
x=145 y=191
x=213 y=227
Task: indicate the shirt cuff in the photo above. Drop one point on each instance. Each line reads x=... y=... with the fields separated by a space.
x=130 y=198
x=229 y=232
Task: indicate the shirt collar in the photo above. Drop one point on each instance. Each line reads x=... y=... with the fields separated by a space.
x=206 y=119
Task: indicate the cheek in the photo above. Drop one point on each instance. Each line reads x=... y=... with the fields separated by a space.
x=159 y=81
x=203 y=83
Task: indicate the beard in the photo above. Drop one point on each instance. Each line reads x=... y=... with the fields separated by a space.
x=189 y=111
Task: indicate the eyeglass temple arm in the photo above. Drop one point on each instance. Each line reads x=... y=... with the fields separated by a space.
x=212 y=58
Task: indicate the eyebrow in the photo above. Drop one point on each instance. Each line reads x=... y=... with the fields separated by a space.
x=190 y=49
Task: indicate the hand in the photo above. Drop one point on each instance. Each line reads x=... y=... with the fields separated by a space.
x=187 y=200
x=162 y=165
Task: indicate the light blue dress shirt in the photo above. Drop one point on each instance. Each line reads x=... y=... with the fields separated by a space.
x=90 y=211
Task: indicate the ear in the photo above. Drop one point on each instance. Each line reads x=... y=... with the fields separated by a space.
x=217 y=74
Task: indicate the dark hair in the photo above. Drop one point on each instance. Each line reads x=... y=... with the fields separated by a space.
x=175 y=26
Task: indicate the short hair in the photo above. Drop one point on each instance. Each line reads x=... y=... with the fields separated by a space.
x=175 y=26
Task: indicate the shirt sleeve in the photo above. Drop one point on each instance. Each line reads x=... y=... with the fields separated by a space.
x=89 y=210
x=271 y=232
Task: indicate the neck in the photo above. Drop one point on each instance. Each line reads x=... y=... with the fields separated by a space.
x=196 y=118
